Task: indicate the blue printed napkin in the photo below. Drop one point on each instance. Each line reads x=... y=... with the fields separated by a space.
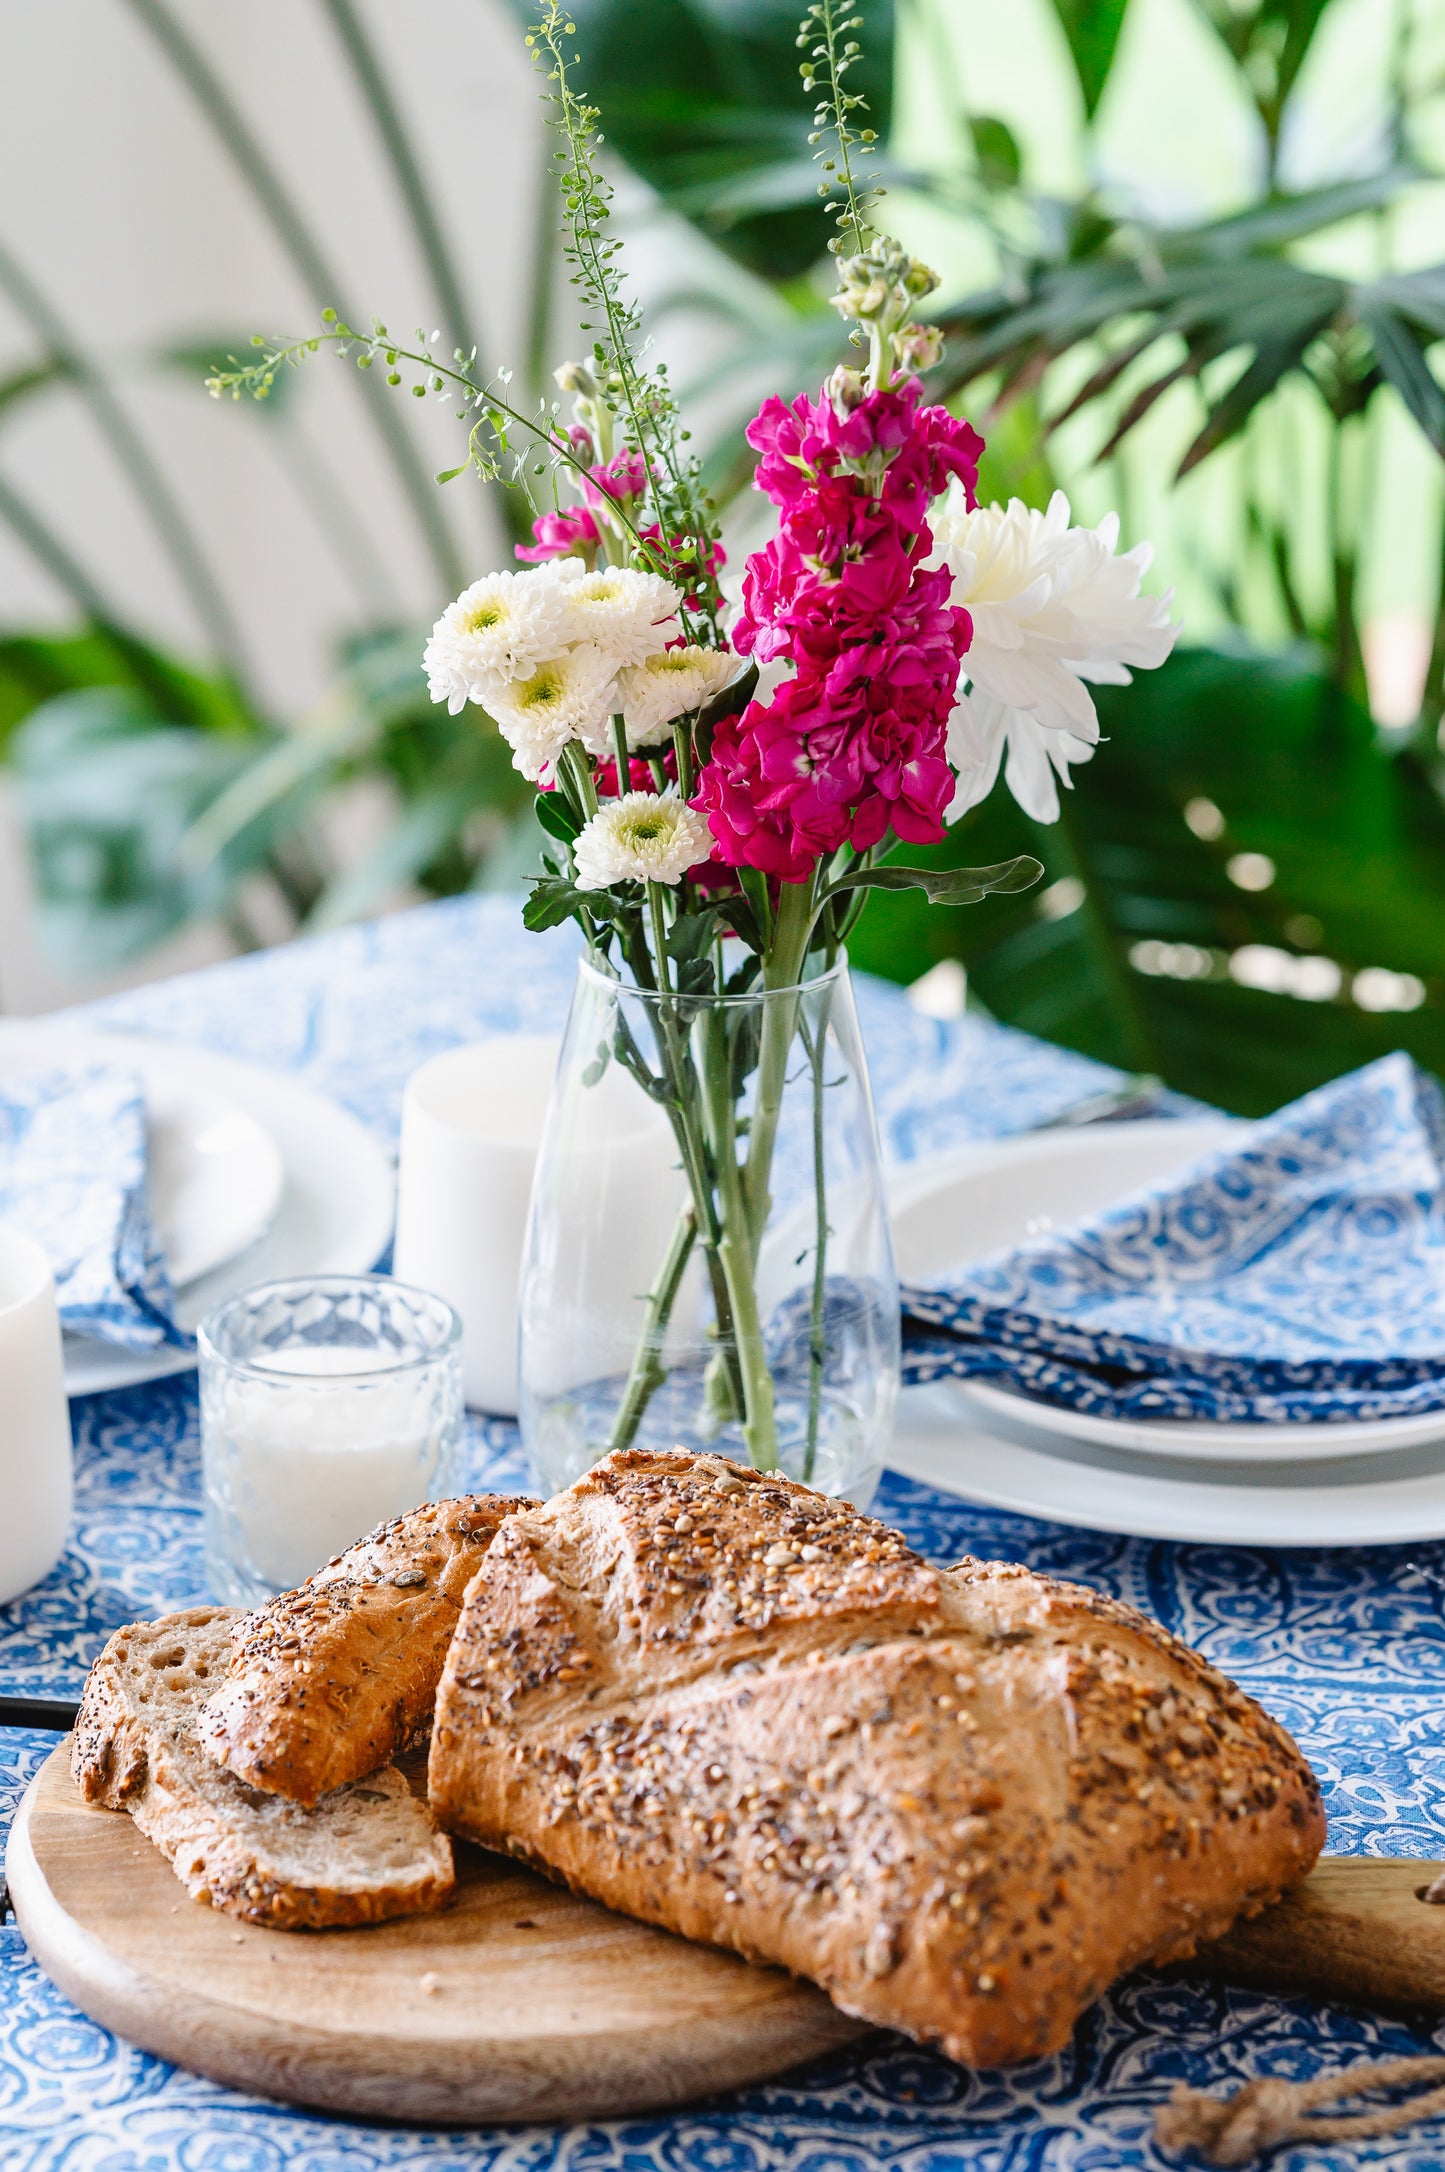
x=1296 y=1277
x=73 y=1177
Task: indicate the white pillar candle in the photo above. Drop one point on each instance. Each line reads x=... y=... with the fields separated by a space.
x=35 y=1459
x=471 y=1127
x=471 y=1121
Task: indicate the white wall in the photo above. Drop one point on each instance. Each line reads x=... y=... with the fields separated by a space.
x=121 y=204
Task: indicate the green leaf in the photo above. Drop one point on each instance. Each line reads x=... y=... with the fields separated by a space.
x=34 y=377
x=690 y=935
x=1092 y=28
x=36 y=667
x=995 y=146
x=556 y=816
x=1268 y=41
x=1400 y=354
x=106 y=790
x=943 y=886
x=552 y=901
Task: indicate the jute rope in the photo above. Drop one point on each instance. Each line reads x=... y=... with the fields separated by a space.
x=1265 y=2114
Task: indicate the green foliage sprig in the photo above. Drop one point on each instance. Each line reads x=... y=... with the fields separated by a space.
x=832 y=52
x=681 y=519
x=491 y=451
x=640 y=397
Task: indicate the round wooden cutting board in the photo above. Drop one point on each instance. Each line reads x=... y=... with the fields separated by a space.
x=518 y=2002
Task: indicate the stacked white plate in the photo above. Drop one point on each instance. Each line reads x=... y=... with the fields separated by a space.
x=1289 y=1485
x=252 y=1177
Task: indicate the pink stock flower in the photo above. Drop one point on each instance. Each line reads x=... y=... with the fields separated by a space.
x=559 y=534
x=855 y=744
x=618 y=483
x=922 y=448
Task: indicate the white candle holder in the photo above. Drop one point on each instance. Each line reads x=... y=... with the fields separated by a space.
x=328 y=1404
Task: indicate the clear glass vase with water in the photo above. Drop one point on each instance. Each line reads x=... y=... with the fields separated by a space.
x=708 y=1260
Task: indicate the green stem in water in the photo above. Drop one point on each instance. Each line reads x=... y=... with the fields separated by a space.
x=648 y=1371
x=735 y=1251
x=816 y=1044
x=782 y=970
x=684 y=1101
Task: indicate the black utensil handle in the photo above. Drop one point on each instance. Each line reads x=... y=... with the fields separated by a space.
x=56 y=1712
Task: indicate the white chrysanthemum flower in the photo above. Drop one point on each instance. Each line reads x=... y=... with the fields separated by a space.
x=568 y=697
x=979 y=732
x=669 y=685
x=622 y=613
x=498 y=629
x=1052 y=607
x=642 y=837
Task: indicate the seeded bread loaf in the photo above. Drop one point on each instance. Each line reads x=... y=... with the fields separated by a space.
x=962 y=1801
x=331 y=1681
x=366 y=1852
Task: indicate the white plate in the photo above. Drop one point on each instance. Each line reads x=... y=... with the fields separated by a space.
x=337 y=1188
x=982 y=1198
x=215 y=1174
x=1096 y=1489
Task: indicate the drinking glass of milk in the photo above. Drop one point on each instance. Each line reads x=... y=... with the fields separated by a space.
x=328 y=1404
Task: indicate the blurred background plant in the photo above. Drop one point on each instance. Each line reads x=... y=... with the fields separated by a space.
x=1189 y=251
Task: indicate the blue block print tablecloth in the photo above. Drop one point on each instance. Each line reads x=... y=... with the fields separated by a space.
x=1347 y=1648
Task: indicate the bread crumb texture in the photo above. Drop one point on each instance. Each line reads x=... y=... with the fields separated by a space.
x=367 y=1851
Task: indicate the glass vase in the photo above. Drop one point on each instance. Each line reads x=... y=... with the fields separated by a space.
x=708 y=1261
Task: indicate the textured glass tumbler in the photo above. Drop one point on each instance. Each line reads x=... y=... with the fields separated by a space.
x=328 y=1404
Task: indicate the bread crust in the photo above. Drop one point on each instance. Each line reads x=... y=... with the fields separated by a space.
x=364 y=1855
x=962 y=1801
x=331 y=1681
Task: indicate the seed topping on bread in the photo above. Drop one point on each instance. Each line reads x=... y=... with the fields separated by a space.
x=960 y=1800
x=330 y=1681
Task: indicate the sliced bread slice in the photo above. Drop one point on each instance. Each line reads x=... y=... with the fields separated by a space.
x=367 y=1851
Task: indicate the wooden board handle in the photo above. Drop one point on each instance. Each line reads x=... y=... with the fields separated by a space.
x=1356 y=1930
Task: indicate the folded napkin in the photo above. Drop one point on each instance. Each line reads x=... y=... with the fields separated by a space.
x=1298 y=1276
x=73 y=1177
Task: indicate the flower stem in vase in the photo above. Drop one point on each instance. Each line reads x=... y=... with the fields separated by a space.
x=782 y=970
x=683 y=1101
x=816 y=1044
x=735 y=1250
x=648 y=1371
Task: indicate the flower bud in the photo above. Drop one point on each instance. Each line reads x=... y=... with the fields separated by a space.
x=919 y=346
x=846 y=389
x=575 y=377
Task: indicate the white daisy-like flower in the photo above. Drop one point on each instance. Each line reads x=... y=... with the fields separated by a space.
x=642 y=837
x=669 y=685
x=498 y=629
x=981 y=729
x=623 y=613
x=569 y=696
x=1052 y=607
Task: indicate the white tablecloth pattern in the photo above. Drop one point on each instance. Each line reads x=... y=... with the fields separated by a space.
x=1347 y=1648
